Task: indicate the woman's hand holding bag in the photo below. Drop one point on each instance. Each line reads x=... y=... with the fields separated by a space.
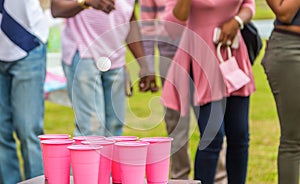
x=233 y=76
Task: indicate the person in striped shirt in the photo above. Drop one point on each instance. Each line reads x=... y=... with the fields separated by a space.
x=95 y=29
x=155 y=36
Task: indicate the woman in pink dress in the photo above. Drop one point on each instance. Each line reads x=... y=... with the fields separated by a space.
x=220 y=112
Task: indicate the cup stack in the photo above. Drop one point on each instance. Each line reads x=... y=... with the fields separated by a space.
x=158 y=159
x=98 y=160
x=116 y=171
x=50 y=137
x=85 y=161
x=56 y=158
x=106 y=157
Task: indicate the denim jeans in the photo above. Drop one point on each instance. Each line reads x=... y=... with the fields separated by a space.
x=98 y=98
x=22 y=113
x=227 y=117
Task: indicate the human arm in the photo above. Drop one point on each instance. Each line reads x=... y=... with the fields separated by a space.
x=230 y=28
x=134 y=43
x=285 y=10
x=69 y=8
x=172 y=25
x=182 y=9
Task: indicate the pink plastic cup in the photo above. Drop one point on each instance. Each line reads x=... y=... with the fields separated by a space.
x=158 y=159
x=105 y=159
x=85 y=160
x=78 y=139
x=48 y=137
x=57 y=160
x=132 y=159
x=116 y=173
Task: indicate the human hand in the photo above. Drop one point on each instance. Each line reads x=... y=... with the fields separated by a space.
x=147 y=80
x=147 y=83
x=128 y=84
x=105 y=5
x=229 y=31
x=153 y=86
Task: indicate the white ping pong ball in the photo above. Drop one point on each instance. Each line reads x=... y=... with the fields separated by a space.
x=103 y=64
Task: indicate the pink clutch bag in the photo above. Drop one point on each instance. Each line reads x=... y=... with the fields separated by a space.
x=233 y=76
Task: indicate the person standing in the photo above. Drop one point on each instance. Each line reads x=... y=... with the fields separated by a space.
x=281 y=64
x=23 y=36
x=219 y=112
x=95 y=29
x=153 y=35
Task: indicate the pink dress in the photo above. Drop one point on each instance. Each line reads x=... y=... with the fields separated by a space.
x=197 y=51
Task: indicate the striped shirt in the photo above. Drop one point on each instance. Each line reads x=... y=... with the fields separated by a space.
x=95 y=34
x=22 y=27
x=153 y=30
x=151 y=13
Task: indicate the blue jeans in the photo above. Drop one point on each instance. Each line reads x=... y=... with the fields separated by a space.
x=98 y=98
x=230 y=118
x=22 y=113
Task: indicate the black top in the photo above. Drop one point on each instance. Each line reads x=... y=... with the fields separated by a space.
x=295 y=21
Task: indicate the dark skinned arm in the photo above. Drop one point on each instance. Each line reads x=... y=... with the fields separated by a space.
x=147 y=81
x=69 y=8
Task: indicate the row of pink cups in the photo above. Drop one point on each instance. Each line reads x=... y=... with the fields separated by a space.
x=97 y=159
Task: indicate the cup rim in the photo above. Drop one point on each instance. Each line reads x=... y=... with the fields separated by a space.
x=82 y=147
x=57 y=141
x=132 y=143
x=83 y=137
x=99 y=142
x=157 y=139
x=120 y=138
x=54 y=136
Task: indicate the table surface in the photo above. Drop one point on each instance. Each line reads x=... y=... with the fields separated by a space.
x=41 y=180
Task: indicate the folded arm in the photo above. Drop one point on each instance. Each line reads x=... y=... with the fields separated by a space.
x=285 y=10
x=69 y=8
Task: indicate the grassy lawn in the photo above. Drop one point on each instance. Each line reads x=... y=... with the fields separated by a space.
x=145 y=117
x=262 y=10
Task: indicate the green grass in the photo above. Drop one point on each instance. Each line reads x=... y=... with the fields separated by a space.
x=145 y=116
x=262 y=10
x=54 y=42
